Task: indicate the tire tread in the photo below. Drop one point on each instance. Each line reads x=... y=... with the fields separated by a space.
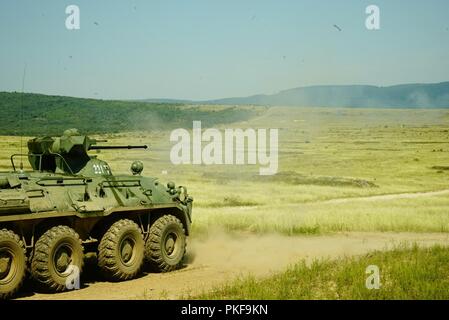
x=153 y=250
x=6 y=234
x=39 y=263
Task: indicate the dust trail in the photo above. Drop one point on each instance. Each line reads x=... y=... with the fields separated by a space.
x=263 y=254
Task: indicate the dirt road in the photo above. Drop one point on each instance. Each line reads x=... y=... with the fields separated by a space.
x=384 y=197
x=222 y=258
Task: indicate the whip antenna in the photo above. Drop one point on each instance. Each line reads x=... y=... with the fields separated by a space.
x=21 y=117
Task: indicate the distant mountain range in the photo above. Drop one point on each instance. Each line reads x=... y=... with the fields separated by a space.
x=435 y=95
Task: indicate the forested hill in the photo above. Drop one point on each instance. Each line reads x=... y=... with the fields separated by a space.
x=44 y=114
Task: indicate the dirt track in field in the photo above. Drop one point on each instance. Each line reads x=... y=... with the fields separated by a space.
x=394 y=196
x=216 y=260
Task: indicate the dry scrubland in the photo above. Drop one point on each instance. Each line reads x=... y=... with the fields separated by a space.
x=325 y=155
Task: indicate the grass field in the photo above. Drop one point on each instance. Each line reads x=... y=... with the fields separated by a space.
x=404 y=273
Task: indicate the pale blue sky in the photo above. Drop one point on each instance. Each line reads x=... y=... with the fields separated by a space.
x=204 y=49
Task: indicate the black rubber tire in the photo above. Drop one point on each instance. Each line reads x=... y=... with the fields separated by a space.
x=121 y=251
x=58 y=243
x=12 y=263
x=164 y=229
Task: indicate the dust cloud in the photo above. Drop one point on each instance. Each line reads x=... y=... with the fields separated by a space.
x=264 y=254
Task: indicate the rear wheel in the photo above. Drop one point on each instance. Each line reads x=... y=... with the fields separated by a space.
x=58 y=254
x=12 y=263
x=166 y=245
x=121 y=251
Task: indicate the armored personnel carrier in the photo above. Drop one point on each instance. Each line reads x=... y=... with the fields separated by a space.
x=71 y=203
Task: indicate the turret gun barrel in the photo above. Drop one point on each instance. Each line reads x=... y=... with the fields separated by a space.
x=117 y=147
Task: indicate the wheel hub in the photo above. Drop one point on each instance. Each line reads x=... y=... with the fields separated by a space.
x=170 y=244
x=127 y=251
x=62 y=260
x=5 y=265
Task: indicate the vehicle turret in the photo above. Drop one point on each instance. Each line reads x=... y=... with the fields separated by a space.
x=68 y=153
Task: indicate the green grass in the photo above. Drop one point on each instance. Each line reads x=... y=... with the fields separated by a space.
x=425 y=214
x=405 y=273
x=233 y=201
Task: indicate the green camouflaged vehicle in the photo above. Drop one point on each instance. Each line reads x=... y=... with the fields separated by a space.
x=71 y=203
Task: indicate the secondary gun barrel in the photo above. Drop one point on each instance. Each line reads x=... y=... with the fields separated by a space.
x=117 y=147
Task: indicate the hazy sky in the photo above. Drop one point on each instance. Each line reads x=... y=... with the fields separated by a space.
x=214 y=49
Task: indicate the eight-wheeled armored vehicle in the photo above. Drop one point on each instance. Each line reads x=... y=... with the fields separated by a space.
x=70 y=203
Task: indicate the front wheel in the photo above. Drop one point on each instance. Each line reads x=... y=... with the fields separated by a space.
x=12 y=263
x=166 y=245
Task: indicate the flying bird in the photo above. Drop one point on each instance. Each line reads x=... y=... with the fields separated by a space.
x=337 y=27
x=96 y=23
